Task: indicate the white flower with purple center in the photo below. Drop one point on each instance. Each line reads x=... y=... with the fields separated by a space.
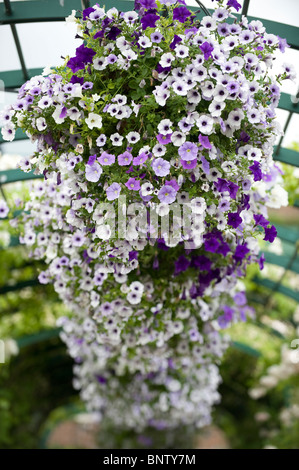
x=74 y=113
x=133 y=137
x=130 y=17
x=45 y=102
x=181 y=51
x=166 y=59
x=164 y=126
x=78 y=239
x=180 y=88
x=161 y=167
x=205 y=124
x=146 y=189
x=178 y=138
x=235 y=118
x=41 y=124
x=8 y=132
x=156 y=37
x=101 y=140
x=159 y=150
x=4 y=209
x=144 y=42
x=116 y=139
x=113 y=191
x=198 y=205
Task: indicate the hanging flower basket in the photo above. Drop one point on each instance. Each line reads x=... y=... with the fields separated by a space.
x=156 y=144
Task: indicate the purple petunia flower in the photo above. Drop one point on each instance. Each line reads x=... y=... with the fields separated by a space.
x=234 y=4
x=161 y=167
x=140 y=159
x=206 y=48
x=176 y=40
x=133 y=184
x=204 y=141
x=260 y=220
x=167 y=194
x=124 y=158
x=164 y=139
x=188 y=164
x=113 y=33
x=113 y=191
x=93 y=172
x=256 y=170
x=212 y=244
x=148 y=4
x=188 y=151
x=241 y=252
x=106 y=159
x=234 y=220
x=270 y=234
x=84 y=55
x=181 y=265
x=91 y=159
x=149 y=20
x=181 y=14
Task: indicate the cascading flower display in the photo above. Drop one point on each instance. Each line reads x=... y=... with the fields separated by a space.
x=156 y=144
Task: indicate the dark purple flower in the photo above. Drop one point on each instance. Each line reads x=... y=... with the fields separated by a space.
x=212 y=244
x=244 y=137
x=224 y=249
x=234 y=220
x=261 y=261
x=176 y=40
x=256 y=170
x=201 y=262
x=261 y=220
x=113 y=33
x=221 y=185
x=76 y=79
x=87 y=12
x=241 y=252
x=75 y=64
x=99 y=34
x=206 y=48
x=161 y=245
x=101 y=379
x=232 y=189
x=181 y=264
x=161 y=69
x=181 y=14
x=245 y=202
x=270 y=234
x=234 y=4
x=149 y=20
x=133 y=255
x=84 y=55
x=148 y=4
